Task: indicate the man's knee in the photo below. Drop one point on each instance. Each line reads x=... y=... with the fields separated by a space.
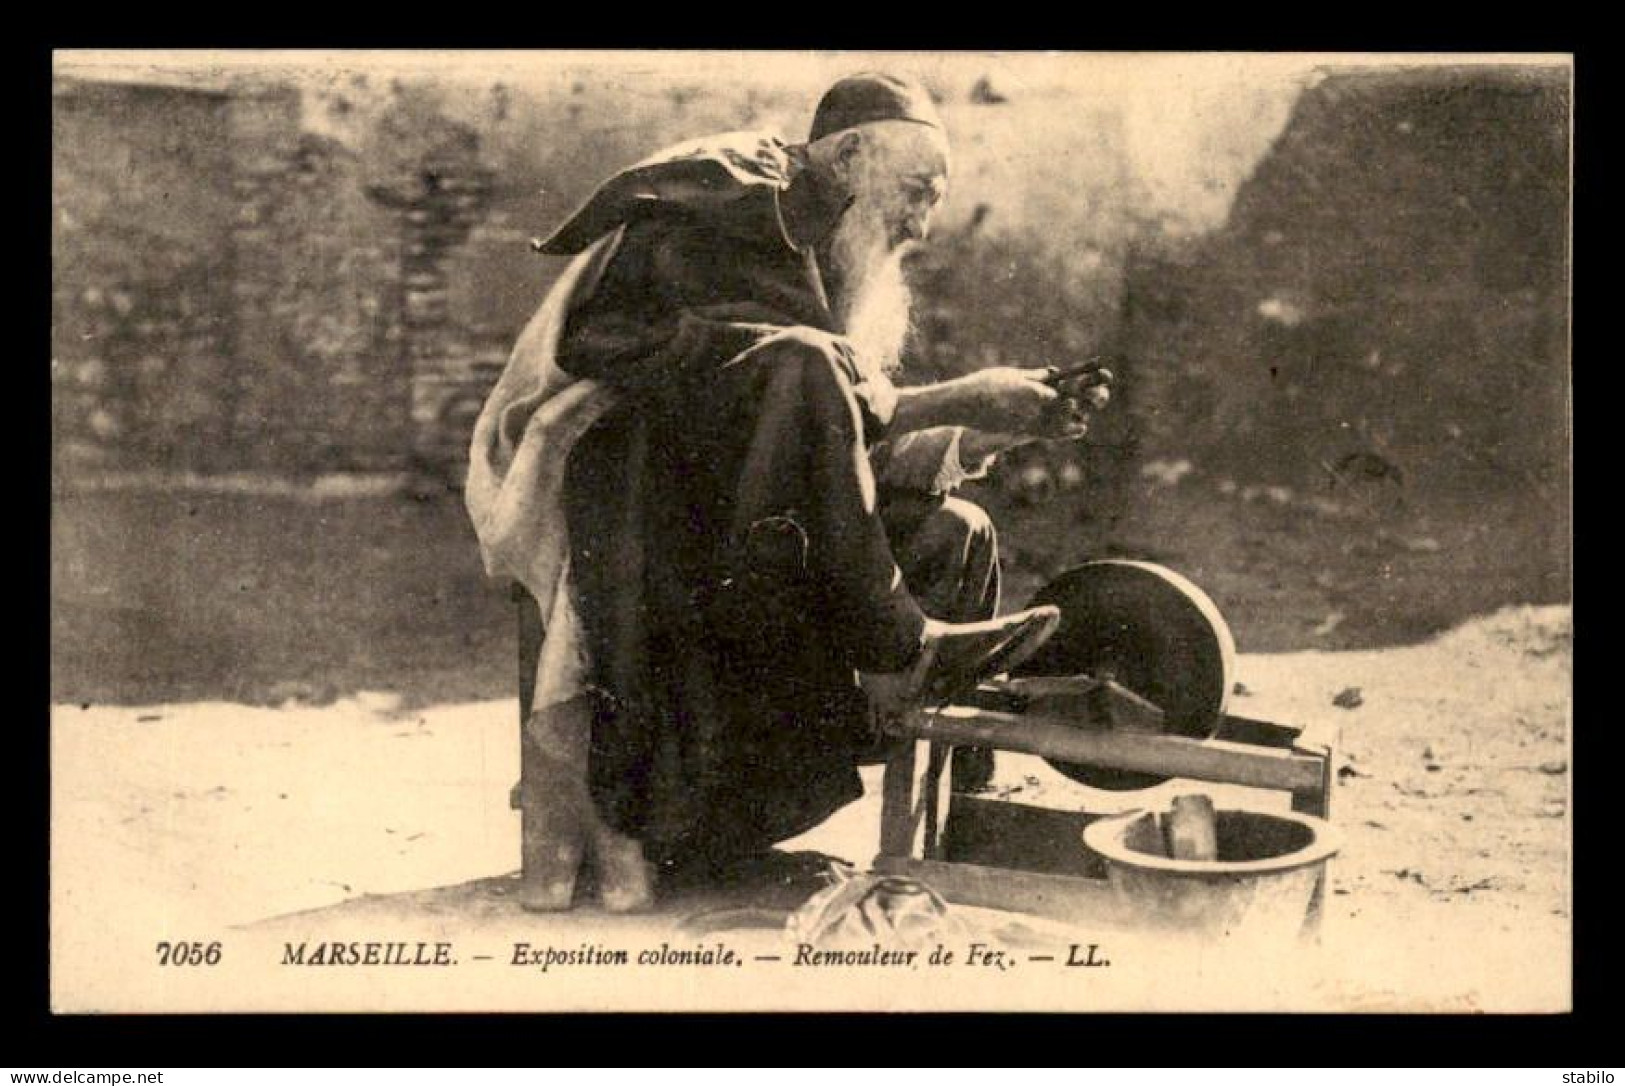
x=935 y=530
x=959 y=529
x=951 y=562
x=967 y=521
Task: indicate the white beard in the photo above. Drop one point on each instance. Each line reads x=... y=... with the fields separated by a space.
x=873 y=302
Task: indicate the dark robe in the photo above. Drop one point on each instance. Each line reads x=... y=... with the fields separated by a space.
x=731 y=568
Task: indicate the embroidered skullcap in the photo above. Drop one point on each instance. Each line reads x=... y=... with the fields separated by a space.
x=872 y=96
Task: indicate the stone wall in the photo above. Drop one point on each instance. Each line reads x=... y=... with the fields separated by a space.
x=354 y=251
x=326 y=273
x=437 y=188
x=319 y=297
x=234 y=292
x=142 y=309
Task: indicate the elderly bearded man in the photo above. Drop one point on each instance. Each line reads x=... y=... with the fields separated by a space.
x=677 y=464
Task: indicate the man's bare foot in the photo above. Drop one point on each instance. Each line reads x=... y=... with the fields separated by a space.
x=550 y=893
x=626 y=881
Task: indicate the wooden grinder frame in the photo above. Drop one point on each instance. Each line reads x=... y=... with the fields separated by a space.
x=1074 y=719
x=1079 y=720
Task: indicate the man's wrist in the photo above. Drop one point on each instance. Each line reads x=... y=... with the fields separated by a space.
x=946 y=403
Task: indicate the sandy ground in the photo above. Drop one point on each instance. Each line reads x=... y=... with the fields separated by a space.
x=216 y=820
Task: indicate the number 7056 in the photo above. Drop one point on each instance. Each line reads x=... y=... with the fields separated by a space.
x=194 y=953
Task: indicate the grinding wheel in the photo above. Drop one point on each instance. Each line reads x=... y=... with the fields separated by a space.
x=1149 y=629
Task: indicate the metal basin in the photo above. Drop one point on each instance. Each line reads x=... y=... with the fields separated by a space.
x=1259 y=888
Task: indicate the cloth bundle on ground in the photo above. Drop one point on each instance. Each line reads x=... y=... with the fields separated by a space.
x=863 y=909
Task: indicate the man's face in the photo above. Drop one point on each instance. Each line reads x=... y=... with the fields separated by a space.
x=897 y=177
x=901 y=172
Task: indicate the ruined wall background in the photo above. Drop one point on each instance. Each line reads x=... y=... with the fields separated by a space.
x=1335 y=300
x=303 y=268
x=142 y=311
x=1339 y=290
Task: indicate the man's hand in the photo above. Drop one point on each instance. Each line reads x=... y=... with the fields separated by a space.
x=1037 y=403
x=1083 y=389
x=1007 y=400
